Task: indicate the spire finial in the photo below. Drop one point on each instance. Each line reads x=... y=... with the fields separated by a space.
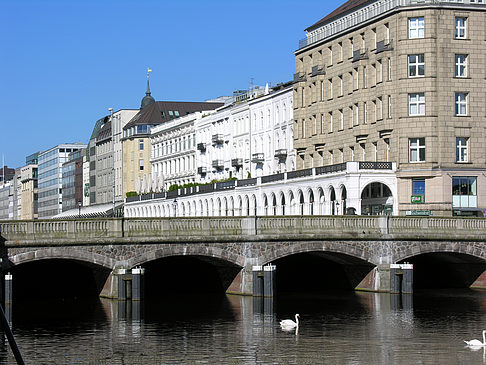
x=149 y=70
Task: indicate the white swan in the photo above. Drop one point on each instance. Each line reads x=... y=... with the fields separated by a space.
x=477 y=342
x=288 y=323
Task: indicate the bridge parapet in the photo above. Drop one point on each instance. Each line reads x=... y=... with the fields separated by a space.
x=211 y=229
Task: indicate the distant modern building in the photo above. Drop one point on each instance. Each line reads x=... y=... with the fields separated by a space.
x=136 y=135
x=29 y=185
x=50 y=178
x=72 y=180
x=6 y=174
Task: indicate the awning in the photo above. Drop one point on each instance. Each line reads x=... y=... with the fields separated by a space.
x=90 y=211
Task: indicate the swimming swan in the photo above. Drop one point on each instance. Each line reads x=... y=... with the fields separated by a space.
x=477 y=342
x=288 y=323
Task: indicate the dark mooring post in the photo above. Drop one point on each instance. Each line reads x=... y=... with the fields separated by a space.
x=257 y=280
x=4 y=321
x=137 y=283
x=269 y=280
x=8 y=288
x=401 y=278
x=122 y=286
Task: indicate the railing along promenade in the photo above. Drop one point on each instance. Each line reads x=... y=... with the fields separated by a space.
x=238 y=229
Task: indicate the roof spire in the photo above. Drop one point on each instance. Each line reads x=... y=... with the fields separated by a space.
x=148 y=86
x=147 y=99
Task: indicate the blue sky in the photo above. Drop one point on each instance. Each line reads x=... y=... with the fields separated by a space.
x=64 y=63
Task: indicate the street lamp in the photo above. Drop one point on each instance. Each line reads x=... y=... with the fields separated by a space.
x=174 y=205
x=113 y=156
x=79 y=208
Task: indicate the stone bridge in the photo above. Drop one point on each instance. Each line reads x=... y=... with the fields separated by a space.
x=366 y=247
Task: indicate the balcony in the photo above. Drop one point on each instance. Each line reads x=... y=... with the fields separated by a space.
x=316 y=70
x=298 y=77
x=218 y=138
x=201 y=147
x=237 y=162
x=218 y=164
x=202 y=170
x=384 y=45
x=257 y=158
x=281 y=153
x=360 y=54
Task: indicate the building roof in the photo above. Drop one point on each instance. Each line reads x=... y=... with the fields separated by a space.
x=163 y=111
x=105 y=130
x=347 y=7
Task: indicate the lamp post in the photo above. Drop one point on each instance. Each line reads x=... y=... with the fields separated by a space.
x=113 y=156
x=79 y=208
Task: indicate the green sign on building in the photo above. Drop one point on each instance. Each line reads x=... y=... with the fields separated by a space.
x=417 y=199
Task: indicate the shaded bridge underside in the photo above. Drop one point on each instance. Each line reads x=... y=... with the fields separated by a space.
x=243 y=253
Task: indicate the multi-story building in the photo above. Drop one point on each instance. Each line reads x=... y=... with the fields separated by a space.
x=251 y=137
x=72 y=180
x=136 y=137
x=29 y=185
x=7 y=193
x=6 y=174
x=173 y=157
x=401 y=81
x=50 y=178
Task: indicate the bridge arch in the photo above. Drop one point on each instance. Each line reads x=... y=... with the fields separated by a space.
x=67 y=253
x=186 y=250
x=330 y=247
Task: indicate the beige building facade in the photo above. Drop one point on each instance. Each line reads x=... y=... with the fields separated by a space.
x=399 y=81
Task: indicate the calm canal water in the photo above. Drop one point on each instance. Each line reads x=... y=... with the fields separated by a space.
x=336 y=328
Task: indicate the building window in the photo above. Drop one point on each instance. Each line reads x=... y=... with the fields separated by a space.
x=416 y=149
x=416 y=104
x=416 y=27
x=389 y=69
x=460 y=28
x=364 y=77
x=462 y=147
x=140 y=165
x=330 y=122
x=416 y=65
x=464 y=192
x=365 y=118
x=418 y=191
x=140 y=144
x=461 y=104
x=323 y=124
x=387 y=149
x=341 y=86
x=389 y=107
x=330 y=89
x=341 y=119
x=460 y=69
x=322 y=90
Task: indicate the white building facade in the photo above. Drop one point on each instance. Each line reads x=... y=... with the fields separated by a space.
x=173 y=154
x=247 y=139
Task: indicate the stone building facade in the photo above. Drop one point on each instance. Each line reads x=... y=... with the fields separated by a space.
x=401 y=81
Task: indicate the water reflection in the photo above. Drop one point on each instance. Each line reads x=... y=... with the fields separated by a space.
x=335 y=328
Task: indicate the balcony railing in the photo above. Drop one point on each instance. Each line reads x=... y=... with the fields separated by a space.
x=257 y=158
x=218 y=138
x=330 y=168
x=218 y=164
x=281 y=153
x=384 y=45
x=237 y=162
x=316 y=70
x=201 y=147
x=365 y=165
x=360 y=54
x=202 y=170
x=299 y=173
x=298 y=77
